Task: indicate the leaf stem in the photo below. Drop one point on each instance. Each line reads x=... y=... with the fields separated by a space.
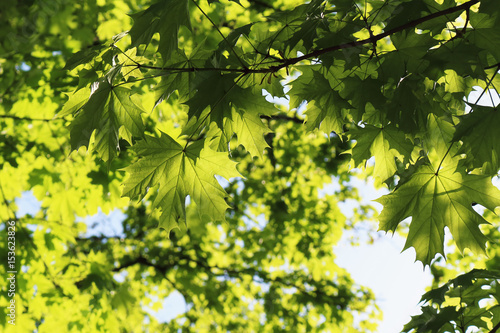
x=28 y=118
x=442 y=160
x=488 y=84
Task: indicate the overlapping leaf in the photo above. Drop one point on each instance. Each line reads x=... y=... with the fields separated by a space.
x=164 y=17
x=469 y=289
x=220 y=100
x=325 y=105
x=110 y=113
x=180 y=81
x=485 y=33
x=386 y=144
x=479 y=132
x=179 y=172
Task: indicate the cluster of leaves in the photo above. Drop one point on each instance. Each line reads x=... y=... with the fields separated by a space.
x=455 y=306
x=269 y=267
x=392 y=76
x=178 y=99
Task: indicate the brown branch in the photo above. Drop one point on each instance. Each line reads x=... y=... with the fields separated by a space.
x=497 y=65
x=143 y=261
x=314 y=54
x=375 y=38
x=283 y=117
x=27 y=118
x=226 y=271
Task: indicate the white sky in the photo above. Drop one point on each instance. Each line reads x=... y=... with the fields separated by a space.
x=397 y=281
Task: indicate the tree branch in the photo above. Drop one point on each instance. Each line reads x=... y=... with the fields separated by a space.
x=494 y=329
x=283 y=117
x=317 y=292
x=27 y=118
x=373 y=39
x=314 y=54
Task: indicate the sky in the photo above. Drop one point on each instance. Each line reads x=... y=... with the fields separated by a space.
x=397 y=281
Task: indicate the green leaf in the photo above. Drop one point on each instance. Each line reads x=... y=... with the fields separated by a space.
x=432 y=321
x=386 y=144
x=408 y=56
x=438 y=142
x=164 y=17
x=325 y=105
x=435 y=200
x=219 y=99
x=307 y=30
x=250 y=132
x=456 y=83
x=212 y=100
x=485 y=33
x=75 y=102
x=180 y=81
x=84 y=56
x=247 y=125
x=468 y=289
x=478 y=131
x=359 y=93
x=180 y=172
x=109 y=113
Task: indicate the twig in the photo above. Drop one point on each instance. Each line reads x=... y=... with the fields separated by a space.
x=315 y=54
x=28 y=118
x=494 y=329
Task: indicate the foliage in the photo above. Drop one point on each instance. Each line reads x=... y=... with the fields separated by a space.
x=221 y=86
x=455 y=307
x=165 y=101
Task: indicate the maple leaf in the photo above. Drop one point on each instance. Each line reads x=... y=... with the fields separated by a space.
x=432 y=321
x=479 y=132
x=435 y=200
x=180 y=81
x=164 y=17
x=219 y=99
x=313 y=19
x=410 y=47
x=361 y=92
x=212 y=100
x=250 y=132
x=438 y=142
x=384 y=143
x=325 y=105
x=485 y=33
x=179 y=172
x=247 y=125
x=75 y=102
x=110 y=112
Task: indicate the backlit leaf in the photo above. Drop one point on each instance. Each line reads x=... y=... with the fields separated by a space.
x=180 y=172
x=108 y=110
x=435 y=200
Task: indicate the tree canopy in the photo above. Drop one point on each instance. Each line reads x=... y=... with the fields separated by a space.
x=220 y=122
